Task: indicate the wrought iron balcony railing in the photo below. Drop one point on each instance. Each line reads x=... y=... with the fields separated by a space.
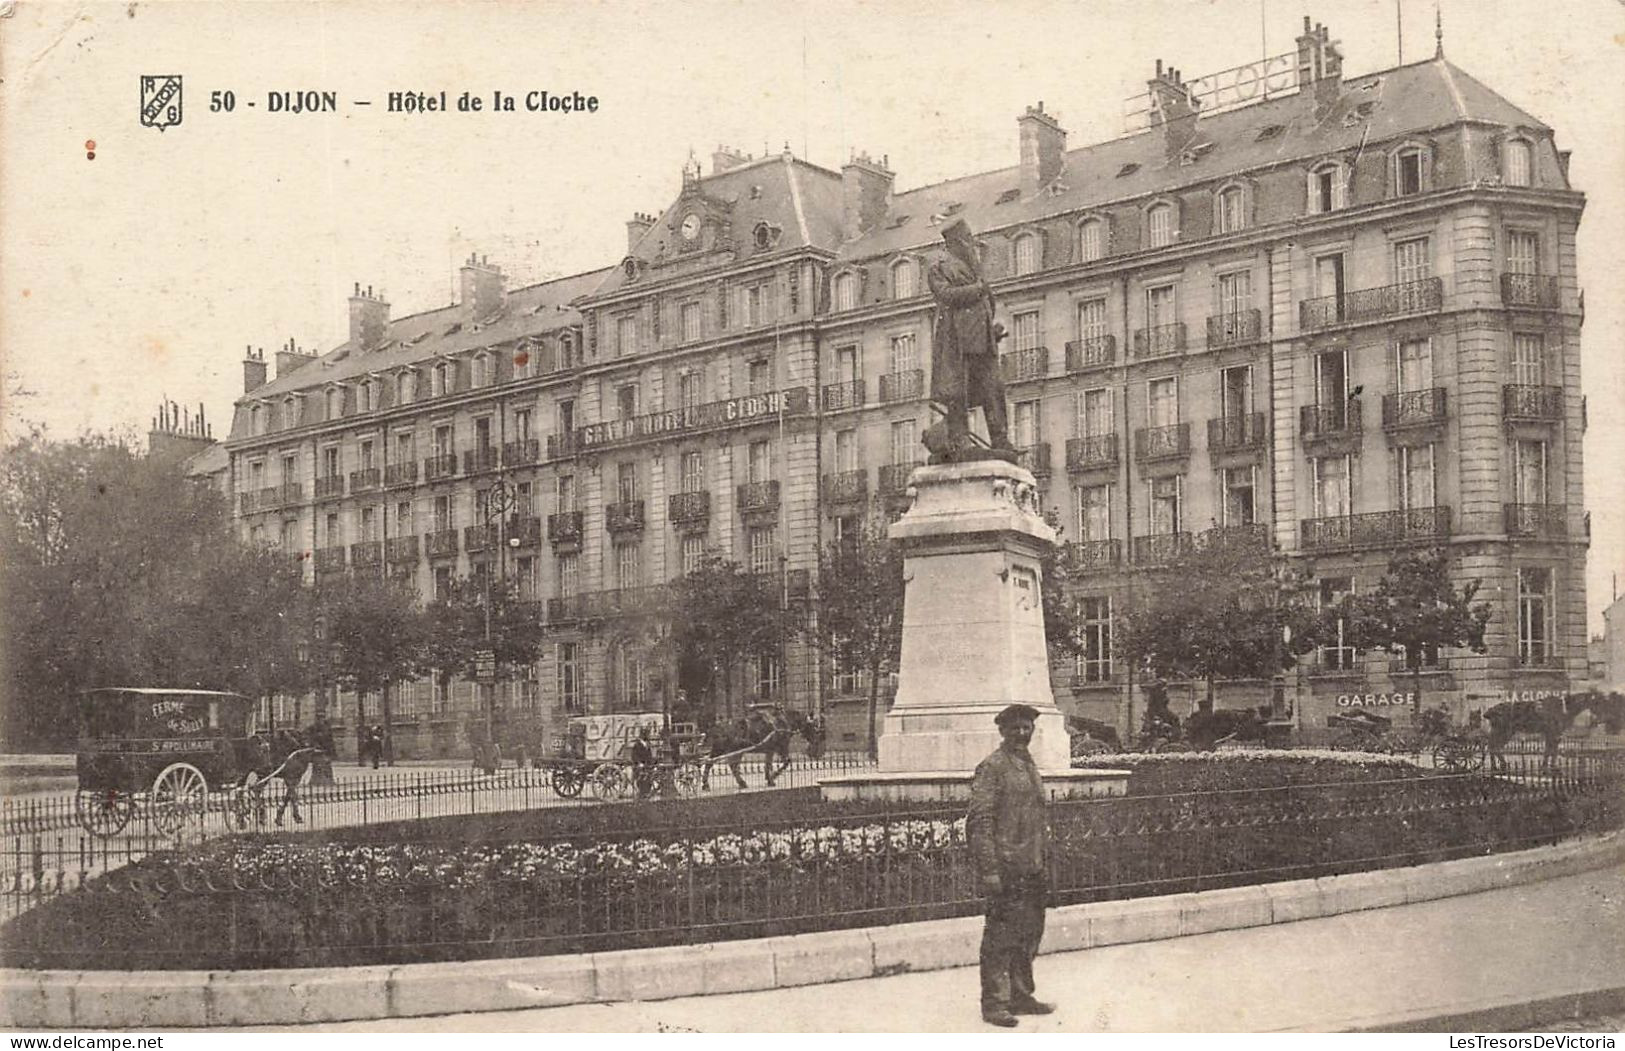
x=1253 y=534
x=1091 y=451
x=1372 y=304
x=367 y=553
x=1537 y=521
x=527 y=529
x=757 y=498
x=624 y=516
x=1376 y=529
x=894 y=476
x=330 y=558
x=401 y=473
x=847 y=487
x=1019 y=366
x=441 y=543
x=564 y=527
x=845 y=395
x=1236 y=433
x=1535 y=291
x=1522 y=401
x=401 y=549
x=523 y=451
x=902 y=386
x=1413 y=408
x=689 y=507
x=1161 y=443
x=560 y=445
x=329 y=487
x=1335 y=420
x=1160 y=340
x=1090 y=353
x=1228 y=330
x=616 y=602
x=1035 y=458
x=479 y=538
x=437 y=467
x=483 y=458
x=1161 y=548
x=1087 y=555
x=366 y=480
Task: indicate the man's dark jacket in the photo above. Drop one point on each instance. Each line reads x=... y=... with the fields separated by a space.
x=1008 y=836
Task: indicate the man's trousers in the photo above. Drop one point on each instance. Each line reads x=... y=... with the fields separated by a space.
x=1015 y=926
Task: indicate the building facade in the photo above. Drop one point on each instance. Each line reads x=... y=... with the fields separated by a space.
x=1343 y=314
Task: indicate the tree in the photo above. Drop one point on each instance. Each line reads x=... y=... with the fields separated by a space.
x=721 y=615
x=1063 y=615
x=456 y=624
x=377 y=635
x=1218 y=612
x=860 y=608
x=1415 y=610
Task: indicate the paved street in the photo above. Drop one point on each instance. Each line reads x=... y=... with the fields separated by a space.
x=1374 y=969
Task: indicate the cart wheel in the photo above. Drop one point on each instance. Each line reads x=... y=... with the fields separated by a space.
x=104 y=812
x=567 y=780
x=1165 y=746
x=687 y=777
x=610 y=782
x=179 y=794
x=1457 y=756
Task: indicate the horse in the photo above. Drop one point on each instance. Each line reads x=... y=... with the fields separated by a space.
x=1549 y=717
x=771 y=730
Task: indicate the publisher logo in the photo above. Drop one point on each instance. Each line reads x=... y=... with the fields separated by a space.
x=161 y=101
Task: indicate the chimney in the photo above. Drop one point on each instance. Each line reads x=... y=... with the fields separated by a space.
x=725 y=157
x=865 y=194
x=177 y=434
x=289 y=359
x=1320 y=68
x=1043 y=148
x=482 y=287
x=636 y=227
x=254 y=371
x=369 y=318
x=1173 y=108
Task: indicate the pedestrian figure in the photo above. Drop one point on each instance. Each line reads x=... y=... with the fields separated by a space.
x=643 y=763
x=375 y=744
x=1008 y=840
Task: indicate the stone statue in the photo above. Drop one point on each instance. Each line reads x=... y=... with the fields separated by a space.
x=964 y=356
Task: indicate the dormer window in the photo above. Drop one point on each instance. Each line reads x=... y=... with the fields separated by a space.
x=290 y=411
x=1520 y=157
x=630 y=268
x=1026 y=254
x=903 y=284
x=335 y=403
x=442 y=379
x=1410 y=171
x=482 y=370
x=846 y=292
x=1091 y=240
x=524 y=360
x=256 y=419
x=1326 y=189
x=1159 y=225
x=1230 y=210
x=406 y=387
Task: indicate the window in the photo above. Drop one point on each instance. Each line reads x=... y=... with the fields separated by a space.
x=566 y=491
x=1523 y=252
x=442 y=584
x=569 y=566
x=1159 y=225
x=1329 y=279
x=1529 y=480
x=1520 y=162
x=290 y=470
x=1091 y=319
x=524 y=360
x=1166 y=505
x=760 y=461
x=1415 y=365
x=691 y=471
x=1331 y=385
x=522 y=425
x=1026 y=335
x=403 y=518
x=1236 y=392
x=569 y=677
x=368 y=392
x=1091 y=241
x=1411 y=260
x=1528 y=360
x=1026 y=254
x=443 y=514
x=523 y=503
x=846 y=528
x=1326 y=189
x=758 y=376
x=1230 y=213
x=846 y=291
x=405 y=387
x=1336 y=655
x=1160 y=306
x=292 y=410
x=846 y=364
x=1535 y=608
x=1024 y=430
x=443 y=379
x=369 y=524
x=330 y=462
x=693 y=553
x=1235 y=292
x=481 y=371
x=626 y=335
x=1331 y=481
x=1094 y=503
x=1240 y=499
x=763 y=549
x=1409 y=171
x=628 y=566
x=845 y=678
x=903 y=283
x=290 y=535
x=626 y=482
x=626 y=401
x=256 y=476
x=903 y=441
x=769 y=675
x=905 y=355
x=627 y=677
x=754 y=312
x=1092 y=417
x=1162 y=402
x=690 y=322
x=846 y=450
x=1415 y=478
x=333 y=535
x=1095 y=662
x=335 y=403
x=688 y=389
x=367 y=463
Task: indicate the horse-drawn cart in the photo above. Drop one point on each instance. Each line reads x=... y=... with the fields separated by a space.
x=596 y=750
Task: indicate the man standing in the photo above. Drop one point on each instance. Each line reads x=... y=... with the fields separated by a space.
x=1008 y=838
x=964 y=355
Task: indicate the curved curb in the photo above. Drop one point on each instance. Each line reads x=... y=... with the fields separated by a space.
x=198 y=999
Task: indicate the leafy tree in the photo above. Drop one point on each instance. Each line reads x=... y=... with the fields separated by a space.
x=377 y=635
x=1063 y=614
x=1415 y=610
x=456 y=623
x=860 y=609
x=1217 y=612
x=721 y=615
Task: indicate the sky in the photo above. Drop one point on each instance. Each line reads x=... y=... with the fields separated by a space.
x=142 y=274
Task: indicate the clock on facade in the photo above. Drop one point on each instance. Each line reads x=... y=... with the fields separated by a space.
x=691 y=226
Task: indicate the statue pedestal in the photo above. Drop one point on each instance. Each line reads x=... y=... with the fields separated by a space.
x=973 y=636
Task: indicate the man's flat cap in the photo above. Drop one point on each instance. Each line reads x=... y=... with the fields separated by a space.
x=1016 y=711
x=958 y=230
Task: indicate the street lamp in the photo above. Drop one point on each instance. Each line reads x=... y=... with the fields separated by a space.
x=498 y=500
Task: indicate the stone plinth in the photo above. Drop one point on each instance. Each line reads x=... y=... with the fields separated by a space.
x=954 y=785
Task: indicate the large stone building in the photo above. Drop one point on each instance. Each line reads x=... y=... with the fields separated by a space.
x=1342 y=312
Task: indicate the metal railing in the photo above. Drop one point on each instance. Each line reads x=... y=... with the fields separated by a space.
x=1090 y=451
x=1236 y=433
x=689 y=507
x=527 y=529
x=401 y=549
x=1243 y=326
x=438 y=467
x=1338 y=419
x=366 y=553
x=401 y=473
x=1093 y=554
x=440 y=543
x=1413 y=408
x=624 y=516
x=902 y=386
x=329 y=487
x=1160 y=340
x=1538 y=521
x=845 y=395
x=1372 y=304
x=1376 y=529
x=1525 y=401
x=757 y=498
x=1161 y=443
x=894 y=476
x=1034 y=458
x=483 y=458
x=564 y=527
x=1090 y=353
x=1538 y=291
x=1018 y=366
x=1159 y=549
x=330 y=557
x=613 y=602
x=846 y=487
x=479 y=538
x=523 y=451
x=559 y=445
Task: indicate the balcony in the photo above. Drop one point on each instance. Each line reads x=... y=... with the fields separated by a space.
x=1243 y=432
x=1334 y=428
x=479 y=538
x=442 y=543
x=1528 y=403
x=902 y=386
x=1413 y=408
x=847 y=395
x=1378 y=529
x=561 y=445
x=521 y=452
x=1159 y=341
x=600 y=605
x=1019 y=366
x=692 y=508
x=846 y=487
x=1235 y=329
x=330 y=559
x=758 y=498
x=366 y=480
x=1092 y=452
x=1251 y=535
x=1162 y=443
x=437 y=468
x=1161 y=549
x=1372 y=304
x=483 y=458
x=526 y=529
x=367 y=553
x=1087 y=555
x=1035 y=458
x=1531 y=291
x=1537 y=521
x=894 y=477
x=270 y=497
x=624 y=516
x=397 y=474
x=401 y=549
x=329 y=487
x=564 y=529
x=1091 y=353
